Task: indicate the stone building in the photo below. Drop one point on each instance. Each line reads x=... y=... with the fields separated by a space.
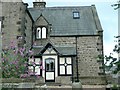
x=68 y=41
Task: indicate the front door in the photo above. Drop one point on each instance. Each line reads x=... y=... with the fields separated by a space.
x=50 y=70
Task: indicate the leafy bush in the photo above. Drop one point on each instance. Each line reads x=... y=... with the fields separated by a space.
x=14 y=61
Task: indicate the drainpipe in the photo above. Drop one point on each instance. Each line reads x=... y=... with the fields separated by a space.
x=77 y=78
x=0 y=49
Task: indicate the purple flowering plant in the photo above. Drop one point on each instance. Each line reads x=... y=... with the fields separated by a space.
x=15 y=61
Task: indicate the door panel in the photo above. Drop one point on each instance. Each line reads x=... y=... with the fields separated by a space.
x=49 y=75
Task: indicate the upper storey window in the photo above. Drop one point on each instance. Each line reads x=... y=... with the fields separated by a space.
x=76 y=15
x=41 y=33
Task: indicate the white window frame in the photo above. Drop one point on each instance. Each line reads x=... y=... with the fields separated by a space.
x=38 y=65
x=76 y=15
x=38 y=33
x=41 y=32
x=64 y=64
x=44 y=32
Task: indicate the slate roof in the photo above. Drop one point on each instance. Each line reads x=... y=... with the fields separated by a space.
x=62 y=50
x=66 y=50
x=63 y=23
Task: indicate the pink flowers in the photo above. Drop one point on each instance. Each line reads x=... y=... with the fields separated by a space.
x=24 y=75
x=21 y=51
x=30 y=52
x=13 y=61
x=3 y=60
x=38 y=76
x=12 y=45
x=41 y=67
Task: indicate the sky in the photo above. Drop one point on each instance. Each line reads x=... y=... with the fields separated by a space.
x=107 y=15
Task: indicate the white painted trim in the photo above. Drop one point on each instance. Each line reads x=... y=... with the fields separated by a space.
x=52 y=52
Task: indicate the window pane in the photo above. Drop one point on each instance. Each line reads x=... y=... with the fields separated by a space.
x=37 y=70
x=62 y=60
x=30 y=68
x=69 y=69
x=43 y=32
x=68 y=60
x=62 y=69
x=37 y=61
x=31 y=60
x=38 y=33
x=76 y=15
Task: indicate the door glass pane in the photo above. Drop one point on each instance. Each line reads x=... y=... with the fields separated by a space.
x=49 y=65
x=62 y=69
x=37 y=70
x=69 y=69
x=52 y=65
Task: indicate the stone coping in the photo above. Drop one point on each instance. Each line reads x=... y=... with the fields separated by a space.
x=94 y=86
x=17 y=80
x=62 y=86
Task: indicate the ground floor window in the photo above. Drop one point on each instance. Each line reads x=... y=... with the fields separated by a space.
x=65 y=66
x=35 y=66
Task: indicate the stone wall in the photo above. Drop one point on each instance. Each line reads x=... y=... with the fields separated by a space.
x=87 y=56
x=13 y=22
x=63 y=80
x=56 y=41
x=89 y=48
x=63 y=41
